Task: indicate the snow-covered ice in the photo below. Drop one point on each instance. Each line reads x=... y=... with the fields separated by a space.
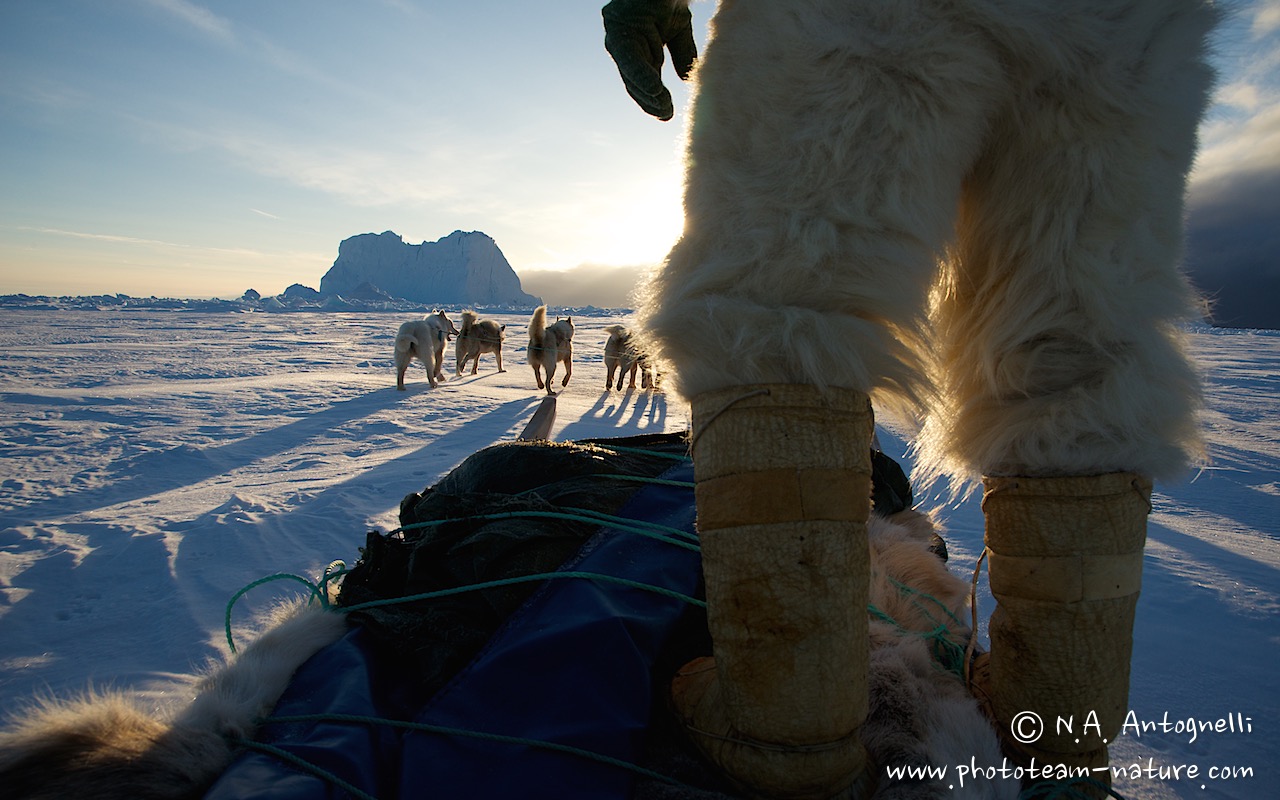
x=156 y=462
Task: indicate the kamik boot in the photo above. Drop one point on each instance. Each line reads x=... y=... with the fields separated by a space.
x=783 y=492
x=1065 y=564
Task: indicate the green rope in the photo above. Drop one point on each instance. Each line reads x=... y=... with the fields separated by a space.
x=595 y=576
x=627 y=524
x=317 y=593
x=492 y=737
x=644 y=479
x=948 y=654
x=304 y=765
x=651 y=529
x=608 y=476
x=912 y=591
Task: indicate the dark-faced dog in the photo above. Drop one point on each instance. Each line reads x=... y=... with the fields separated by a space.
x=478 y=336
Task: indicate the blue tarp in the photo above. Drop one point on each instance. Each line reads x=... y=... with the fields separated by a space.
x=572 y=667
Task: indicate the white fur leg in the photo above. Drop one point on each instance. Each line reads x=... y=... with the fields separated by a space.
x=1061 y=352
x=812 y=231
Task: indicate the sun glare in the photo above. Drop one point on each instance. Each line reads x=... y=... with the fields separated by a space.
x=639 y=227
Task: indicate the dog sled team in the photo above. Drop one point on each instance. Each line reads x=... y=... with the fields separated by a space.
x=550 y=346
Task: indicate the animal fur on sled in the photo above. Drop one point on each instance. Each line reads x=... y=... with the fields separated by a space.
x=423 y=339
x=549 y=345
x=623 y=352
x=107 y=746
x=971 y=209
x=920 y=713
x=477 y=337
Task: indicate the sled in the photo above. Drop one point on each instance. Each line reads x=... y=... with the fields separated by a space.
x=547 y=674
x=517 y=636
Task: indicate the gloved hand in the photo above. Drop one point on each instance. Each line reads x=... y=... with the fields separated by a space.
x=635 y=32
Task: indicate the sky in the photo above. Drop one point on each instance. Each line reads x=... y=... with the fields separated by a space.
x=197 y=149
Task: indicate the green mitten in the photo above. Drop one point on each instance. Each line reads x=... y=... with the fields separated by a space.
x=635 y=33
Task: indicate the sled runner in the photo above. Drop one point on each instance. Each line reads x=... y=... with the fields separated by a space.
x=539 y=426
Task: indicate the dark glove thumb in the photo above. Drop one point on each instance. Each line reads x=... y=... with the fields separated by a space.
x=679 y=37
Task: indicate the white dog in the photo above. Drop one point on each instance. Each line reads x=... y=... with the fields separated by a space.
x=624 y=353
x=478 y=336
x=549 y=344
x=424 y=340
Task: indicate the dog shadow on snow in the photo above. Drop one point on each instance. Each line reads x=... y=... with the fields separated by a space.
x=219 y=552
x=159 y=471
x=365 y=493
x=629 y=412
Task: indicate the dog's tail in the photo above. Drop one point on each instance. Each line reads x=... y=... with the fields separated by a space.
x=538 y=336
x=469 y=320
x=538 y=325
x=405 y=343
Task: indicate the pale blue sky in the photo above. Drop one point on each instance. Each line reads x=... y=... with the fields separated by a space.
x=196 y=149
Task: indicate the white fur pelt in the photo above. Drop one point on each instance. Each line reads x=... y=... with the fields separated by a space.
x=920 y=714
x=107 y=745
x=970 y=208
x=549 y=345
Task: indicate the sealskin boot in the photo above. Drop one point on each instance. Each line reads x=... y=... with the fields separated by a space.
x=1065 y=561
x=783 y=490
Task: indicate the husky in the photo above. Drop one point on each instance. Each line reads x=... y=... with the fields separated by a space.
x=624 y=353
x=478 y=336
x=424 y=339
x=549 y=344
x=112 y=746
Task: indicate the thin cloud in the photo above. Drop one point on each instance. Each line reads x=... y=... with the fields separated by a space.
x=252 y=42
x=101 y=237
x=239 y=252
x=1235 y=147
x=262 y=213
x=408 y=174
x=396 y=173
x=198 y=17
x=44 y=92
x=1267 y=19
x=1234 y=197
x=403 y=6
x=1242 y=134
